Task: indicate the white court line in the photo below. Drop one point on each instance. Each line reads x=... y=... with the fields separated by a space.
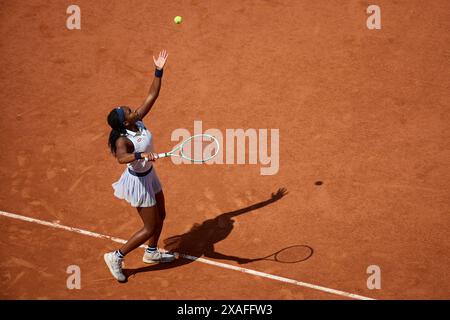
x=214 y=263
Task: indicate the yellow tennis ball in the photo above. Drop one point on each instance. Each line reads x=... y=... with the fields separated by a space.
x=178 y=19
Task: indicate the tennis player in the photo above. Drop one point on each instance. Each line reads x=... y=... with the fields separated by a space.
x=130 y=142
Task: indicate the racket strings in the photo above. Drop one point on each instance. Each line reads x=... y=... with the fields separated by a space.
x=199 y=148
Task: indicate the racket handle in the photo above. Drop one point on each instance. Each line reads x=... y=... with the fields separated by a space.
x=159 y=155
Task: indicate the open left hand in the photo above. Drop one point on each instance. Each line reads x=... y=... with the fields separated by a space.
x=161 y=60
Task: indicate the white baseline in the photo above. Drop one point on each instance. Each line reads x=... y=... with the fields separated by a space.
x=214 y=263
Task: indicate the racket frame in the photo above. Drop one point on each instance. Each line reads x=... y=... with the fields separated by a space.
x=171 y=153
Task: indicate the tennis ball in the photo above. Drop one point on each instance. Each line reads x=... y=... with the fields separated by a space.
x=178 y=19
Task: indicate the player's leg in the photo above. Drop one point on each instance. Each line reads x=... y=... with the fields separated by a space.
x=150 y=217
x=113 y=260
x=160 y=203
x=152 y=254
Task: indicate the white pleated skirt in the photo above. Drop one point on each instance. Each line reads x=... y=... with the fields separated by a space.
x=138 y=191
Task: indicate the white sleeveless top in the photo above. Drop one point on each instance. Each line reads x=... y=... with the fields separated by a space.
x=142 y=142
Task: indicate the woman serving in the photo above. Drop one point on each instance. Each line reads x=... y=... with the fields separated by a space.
x=130 y=142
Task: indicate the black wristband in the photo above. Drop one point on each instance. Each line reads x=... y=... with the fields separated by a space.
x=158 y=73
x=138 y=155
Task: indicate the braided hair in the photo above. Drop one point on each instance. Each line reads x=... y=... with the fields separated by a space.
x=117 y=131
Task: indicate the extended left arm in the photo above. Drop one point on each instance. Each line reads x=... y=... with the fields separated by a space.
x=155 y=87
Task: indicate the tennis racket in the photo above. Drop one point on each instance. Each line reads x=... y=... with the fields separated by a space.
x=197 y=148
x=292 y=254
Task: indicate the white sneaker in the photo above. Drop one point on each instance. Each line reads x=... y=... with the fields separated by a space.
x=157 y=257
x=114 y=264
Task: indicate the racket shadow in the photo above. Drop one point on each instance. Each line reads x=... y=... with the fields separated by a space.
x=292 y=254
x=199 y=241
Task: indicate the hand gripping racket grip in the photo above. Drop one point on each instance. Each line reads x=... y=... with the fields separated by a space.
x=162 y=155
x=159 y=155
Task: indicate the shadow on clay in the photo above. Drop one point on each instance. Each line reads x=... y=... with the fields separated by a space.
x=200 y=240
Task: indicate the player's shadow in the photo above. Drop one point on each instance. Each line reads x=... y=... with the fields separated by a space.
x=200 y=240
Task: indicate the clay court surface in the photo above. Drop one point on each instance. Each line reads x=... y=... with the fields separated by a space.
x=364 y=111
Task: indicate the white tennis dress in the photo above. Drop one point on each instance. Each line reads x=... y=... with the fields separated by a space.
x=139 y=191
